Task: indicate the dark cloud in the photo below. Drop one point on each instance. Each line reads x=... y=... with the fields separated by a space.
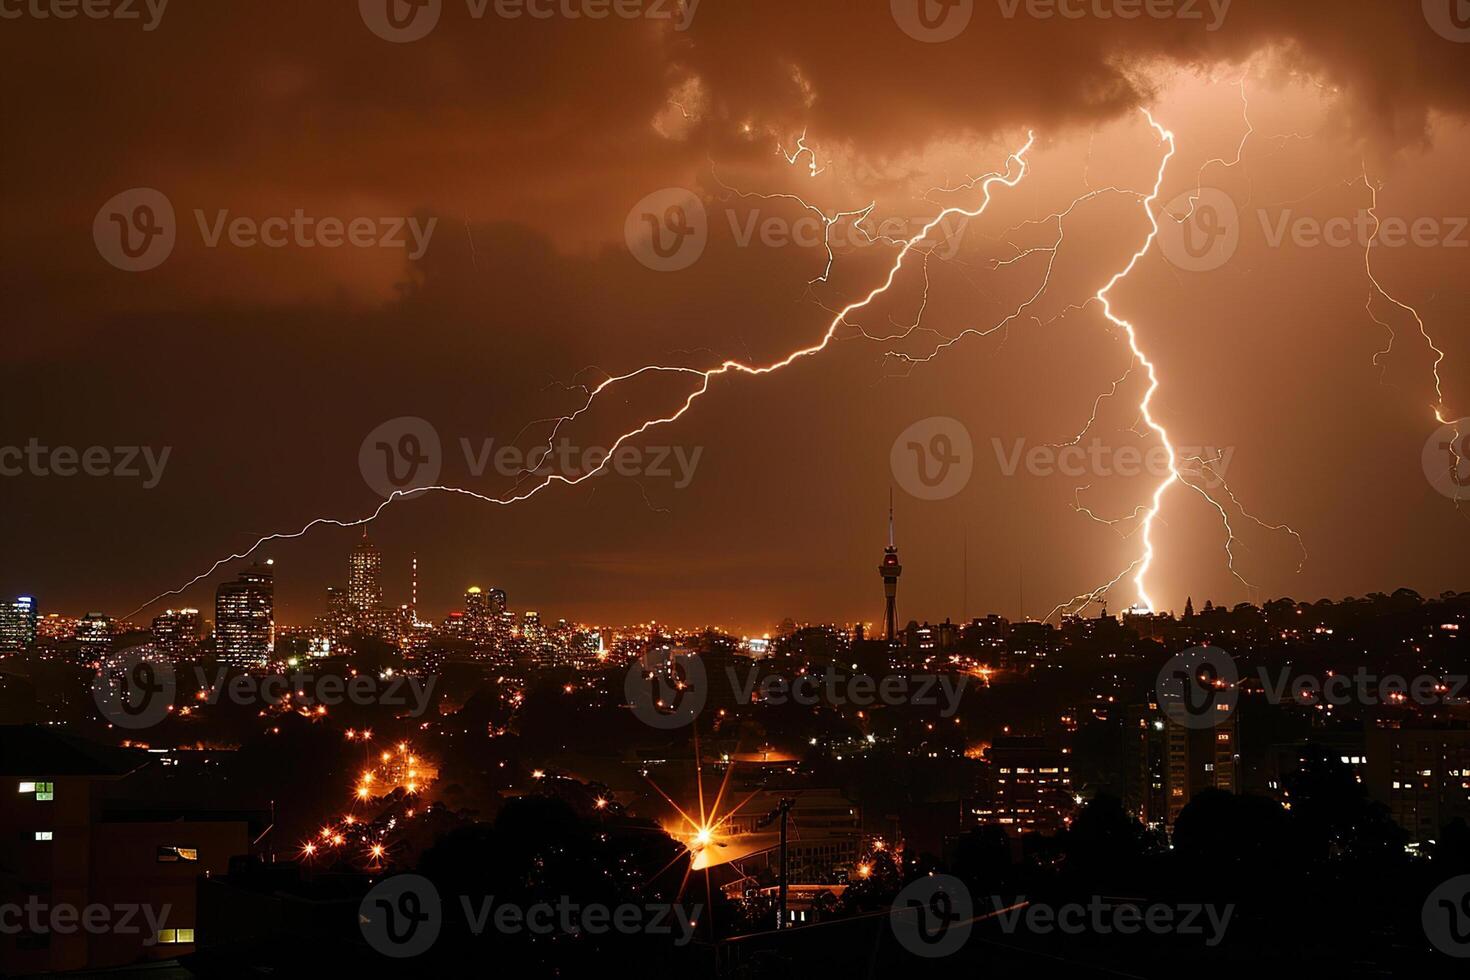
x=848 y=69
x=529 y=141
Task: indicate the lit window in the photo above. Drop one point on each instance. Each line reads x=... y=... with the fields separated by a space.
x=27 y=787
x=45 y=791
x=172 y=855
x=43 y=835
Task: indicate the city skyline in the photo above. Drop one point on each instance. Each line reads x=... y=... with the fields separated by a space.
x=365 y=591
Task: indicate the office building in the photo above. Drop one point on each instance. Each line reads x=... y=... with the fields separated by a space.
x=1166 y=763
x=177 y=631
x=79 y=827
x=17 y=624
x=94 y=632
x=1421 y=775
x=244 y=618
x=1032 y=788
x=364 y=571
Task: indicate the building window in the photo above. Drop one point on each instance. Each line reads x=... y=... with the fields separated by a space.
x=27 y=787
x=172 y=855
x=172 y=936
x=45 y=792
x=43 y=835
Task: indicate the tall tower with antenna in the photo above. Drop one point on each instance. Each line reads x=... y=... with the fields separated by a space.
x=890 y=570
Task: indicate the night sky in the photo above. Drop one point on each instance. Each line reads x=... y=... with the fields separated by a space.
x=529 y=141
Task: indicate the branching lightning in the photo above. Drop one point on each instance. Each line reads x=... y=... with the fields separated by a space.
x=1198 y=473
x=813 y=169
x=1147 y=515
x=1441 y=414
x=828 y=221
x=1377 y=290
x=1144 y=563
x=1016 y=162
x=1016 y=169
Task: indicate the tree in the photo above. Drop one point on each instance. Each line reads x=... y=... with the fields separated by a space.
x=1335 y=820
x=1250 y=834
x=1105 y=843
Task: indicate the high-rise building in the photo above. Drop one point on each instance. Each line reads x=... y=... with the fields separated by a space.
x=531 y=626
x=56 y=627
x=18 y=623
x=177 y=631
x=364 y=590
x=502 y=620
x=338 y=608
x=476 y=608
x=94 y=631
x=890 y=569
x=1422 y=776
x=244 y=618
x=1144 y=775
x=485 y=615
x=1032 y=790
x=1197 y=759
x=1166 y=763
x=70 y=831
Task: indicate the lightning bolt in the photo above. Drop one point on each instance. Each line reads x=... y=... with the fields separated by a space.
x=1016 y=169
x=703 y=378
x=1149 y=515
x=828 y=221
x=813 y=169
x=1378 y=290
x=1441 y=415
x=1145 y=407
x=1051 y=250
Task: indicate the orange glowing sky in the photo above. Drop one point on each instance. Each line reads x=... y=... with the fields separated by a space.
x=264 y=369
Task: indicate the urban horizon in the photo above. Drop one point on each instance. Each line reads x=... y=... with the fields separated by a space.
x=445 y=614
